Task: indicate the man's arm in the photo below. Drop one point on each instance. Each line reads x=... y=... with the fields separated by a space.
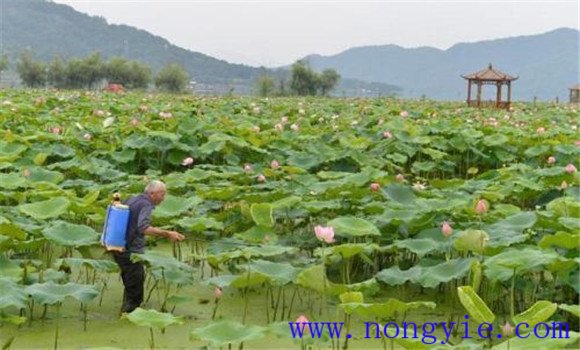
x=172 y=235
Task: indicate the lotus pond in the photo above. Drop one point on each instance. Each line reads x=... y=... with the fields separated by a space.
x=330 y=210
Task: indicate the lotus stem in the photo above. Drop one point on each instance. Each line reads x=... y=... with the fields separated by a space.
x=512 y=294
x=152 y=338
x=57 y=326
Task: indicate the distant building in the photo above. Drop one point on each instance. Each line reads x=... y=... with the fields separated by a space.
x=489 y=76
x=575 y=94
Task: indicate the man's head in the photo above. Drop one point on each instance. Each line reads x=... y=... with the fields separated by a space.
x=156 y=191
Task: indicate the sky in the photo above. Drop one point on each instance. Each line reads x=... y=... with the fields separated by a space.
x=272 y=33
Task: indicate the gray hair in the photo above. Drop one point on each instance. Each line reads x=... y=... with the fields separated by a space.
x=154 y=186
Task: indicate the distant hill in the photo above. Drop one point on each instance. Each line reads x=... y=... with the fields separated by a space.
x=50 y=30
x=547 y=65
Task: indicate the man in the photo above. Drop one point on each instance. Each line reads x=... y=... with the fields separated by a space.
x=133 y=273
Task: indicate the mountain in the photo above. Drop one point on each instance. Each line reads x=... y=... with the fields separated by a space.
x=49 y=30
x=547 y=65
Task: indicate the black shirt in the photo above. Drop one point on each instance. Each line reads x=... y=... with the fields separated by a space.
x=140 y=208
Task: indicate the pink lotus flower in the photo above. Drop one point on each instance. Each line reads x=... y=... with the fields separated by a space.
x=541 y=130
x=404 y=114
x=217 y=292
x=324 y=234
x=381 y=122
x=274 y=164
x=481 y=206
x=247 y=167
x=165 y=115
x=279 y=127
x=446 y=229
x=294 y=127
x=88 y=136
x=302 y=319
x=577 y=143
x=26 y=172
x=256 y=110
x=387 y=135
x=301 y=111
x=187 y=161
x=563 y=185
x=419 y=186
x=375 y=187
x=551 y=160
x=400 y=178
x=261 y=178
x=55 y=130
x=98 y=113
x=134 y=122
x=507 y=329
x=143 y=108
x=570 y=168
x=284 y=120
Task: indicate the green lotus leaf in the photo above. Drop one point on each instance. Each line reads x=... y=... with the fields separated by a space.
x=12 y=181
x=173 y=275
x=305 y=161
x=476 y=307
x=510 y=230
x=471 y=240
x=267 y=251
x=13 y=231
x=222 y=332
x=561 y=240
x=219 y=193
x=160 y=260
x=405 y=338
x=38 y=174
x=47 y=209
x=262 y=214
x=200 y=224
x=9 y=268
x=318 y=206
x=11 y=151
x=351 y=297
x=349 y=250
x=173 y=206
x=98 y=265
x=278 y=273
x=70 y=235
x=152 y=318
x=391 y=308
x=501 y=266
x=573 y=309
x=539 y=312
x=419 y=246
x=564 y=206
x=495 y=140
x=426 y=276
x=570 y=223
x=286 y=203
x=11 y=294
x=258 y=234
x=51 y=293
x=394 y=276
x=221 y=281
x=561 y=341
x=349 y=226
x=400 y=194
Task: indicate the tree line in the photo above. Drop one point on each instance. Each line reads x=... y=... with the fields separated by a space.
x=92 y=71
x=303 y=81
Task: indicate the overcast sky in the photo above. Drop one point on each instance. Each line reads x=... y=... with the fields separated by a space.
x=277 y=32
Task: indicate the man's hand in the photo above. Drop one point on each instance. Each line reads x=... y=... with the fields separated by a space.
x=175 y=236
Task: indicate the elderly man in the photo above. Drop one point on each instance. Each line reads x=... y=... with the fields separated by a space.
x=133 y=273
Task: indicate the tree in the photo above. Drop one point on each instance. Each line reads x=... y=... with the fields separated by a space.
x=57 y=73
x=130 y=74
x=4 y=63
x=172 y=78
x=303 y=81
x=32 y=73
x=265 y=85
x=93 y=68
x=327 y=81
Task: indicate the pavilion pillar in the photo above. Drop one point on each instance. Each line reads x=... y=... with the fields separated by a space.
x=478 y=93
x=498 y=97
x=509 y=96
x=469 y=92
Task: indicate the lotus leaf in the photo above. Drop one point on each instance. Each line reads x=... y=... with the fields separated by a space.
x=51 y=293
x=152 y=318
x=349 y=226
x=539 y=312
x=11 y=294
x=474 y=305
x=262 y=214
x=47 y=209
x=70 y=235
x=224 y=332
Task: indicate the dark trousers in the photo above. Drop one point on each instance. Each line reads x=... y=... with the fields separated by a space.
x=133 y=275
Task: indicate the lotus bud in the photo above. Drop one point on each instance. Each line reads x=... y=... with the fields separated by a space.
x=446 y=229
x=570 y=168
x=55 y=130
x=187 y=161
x=261 y=178
x=541 y=130
x=247 y=167
x=279 y=127
x=387 y=135
x=134 y=122
x=284 y=120
x=165 y=115
x=375 y=187
x=400 y=178
x=551 y=160
x=255 y=129
x=481 y=206
x=98 y=113
x=217 y=292
x=274 y=164
x=577 y=143
x=563 y=185
x=294 y=127
x=507 y=329
x=404 y=114
x=88 y=136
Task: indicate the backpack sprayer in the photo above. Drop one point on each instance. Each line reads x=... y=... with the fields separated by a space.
x=114 y=236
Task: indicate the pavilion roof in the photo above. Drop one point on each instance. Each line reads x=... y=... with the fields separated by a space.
x=575 y=87
x=490 y=74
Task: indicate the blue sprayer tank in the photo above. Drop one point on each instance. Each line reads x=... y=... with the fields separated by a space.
x=114 y=236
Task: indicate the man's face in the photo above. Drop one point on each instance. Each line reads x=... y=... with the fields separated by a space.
x=157 y=196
